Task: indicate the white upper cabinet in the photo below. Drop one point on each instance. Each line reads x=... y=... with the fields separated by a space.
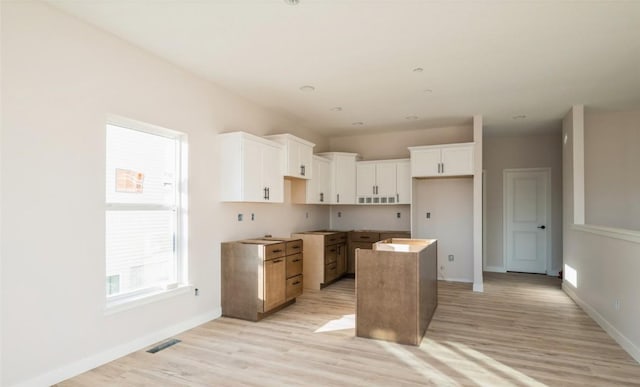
x=319 y=187
x=342 y=177
x=442 y=160
x=298 y=153
x=377 y=182
x=250 y=169
x=403 y=182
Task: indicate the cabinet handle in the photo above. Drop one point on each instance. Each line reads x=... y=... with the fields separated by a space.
x=296 y=260
x=276 y=261
x=365 y=237
x=302 y=170
x=397 y=198
x=373 y=189
x=333 y=250
x=296 y=283
x=268 y=193
x=377 y=190
x=265 y=193
x=277 y=251
x=442 y=167
x=321 y=197
x=295 y=247
x=338 y=197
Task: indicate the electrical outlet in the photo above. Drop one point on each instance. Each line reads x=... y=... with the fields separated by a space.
x=253 y=216
x=428 y=215
x=339 y=214
x=450 y=257
x=239 y=217
x=398 y=215
x=307 y=215
x=617 y=304
x=196 y=292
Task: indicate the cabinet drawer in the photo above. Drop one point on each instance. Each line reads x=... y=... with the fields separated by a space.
x=294 y=265
x=361 y=236
x=331 y=239
x=294 y=247
x=274 y=251
x=330 y=254
x=330 y=272
x=342 y=237
x=294 y=287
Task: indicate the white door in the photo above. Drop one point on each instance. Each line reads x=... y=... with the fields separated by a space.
x=526 y=222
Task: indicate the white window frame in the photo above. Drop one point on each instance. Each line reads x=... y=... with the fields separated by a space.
x=133 y=299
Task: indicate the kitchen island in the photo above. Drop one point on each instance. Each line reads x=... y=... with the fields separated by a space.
x=396 y=289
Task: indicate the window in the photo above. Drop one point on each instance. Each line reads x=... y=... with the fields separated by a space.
x=144 y=211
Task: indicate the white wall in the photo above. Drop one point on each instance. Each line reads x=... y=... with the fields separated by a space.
x=605 y=260
x=450 y=204
x=387 y=145
x=506 y=152
x=370 y=217
x=612 y=181
x=61 y=78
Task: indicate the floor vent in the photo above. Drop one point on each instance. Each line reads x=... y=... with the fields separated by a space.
x=164 y=345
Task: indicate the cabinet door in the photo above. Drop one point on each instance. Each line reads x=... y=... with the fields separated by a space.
x=321 y=173
x=344 y=169
x=386 y=180
x=252 y=182
x=275 y=283
x=272 y=174
x=305 y=161
x=365 y=179
x=457 y=160
x=425 y=162
x=293 y=159
x=403 y=182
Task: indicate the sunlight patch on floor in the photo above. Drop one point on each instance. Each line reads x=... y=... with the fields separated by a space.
x=432 y=375
x=489 y=362
x=348 y=321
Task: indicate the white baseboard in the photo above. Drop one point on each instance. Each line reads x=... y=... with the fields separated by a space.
x=495 y=269
x=621 y=339
x=449 y=279
x=478 y=287
x=73 y=369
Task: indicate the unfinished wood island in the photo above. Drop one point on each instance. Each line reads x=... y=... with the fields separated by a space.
x=396 y=289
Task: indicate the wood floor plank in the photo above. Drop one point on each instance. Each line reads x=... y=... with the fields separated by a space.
x=522 y=331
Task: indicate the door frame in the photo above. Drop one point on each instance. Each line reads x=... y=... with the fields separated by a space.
x=549 y=227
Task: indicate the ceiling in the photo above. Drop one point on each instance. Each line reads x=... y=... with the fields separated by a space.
x=396 y=64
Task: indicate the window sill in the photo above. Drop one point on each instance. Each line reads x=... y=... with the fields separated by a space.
x=610 y=232
x=121 y=305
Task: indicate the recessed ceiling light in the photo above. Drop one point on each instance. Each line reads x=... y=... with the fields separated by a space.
x=307 y=88
x=359 y=123
x=411 y=118
x=336 y=109
x=427 y=91
x=519 y=117
x=292 y=2
x=418 y=70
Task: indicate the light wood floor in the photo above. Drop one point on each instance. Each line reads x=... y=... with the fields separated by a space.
x=522 y=331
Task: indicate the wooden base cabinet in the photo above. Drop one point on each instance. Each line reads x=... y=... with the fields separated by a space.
x=260 y=276
x=325 y=257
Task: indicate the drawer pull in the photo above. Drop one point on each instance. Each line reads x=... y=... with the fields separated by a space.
x=295 y=247
x=296 y=283
x=365 y=237
x=296 y=260
x=276 y=260
x=333 y=250
x=277 y=251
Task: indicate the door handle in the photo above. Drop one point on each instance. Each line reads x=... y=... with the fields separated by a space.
x=542 y=227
